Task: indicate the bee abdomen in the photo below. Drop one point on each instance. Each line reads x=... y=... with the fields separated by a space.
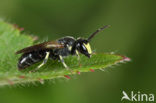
x=29 y=59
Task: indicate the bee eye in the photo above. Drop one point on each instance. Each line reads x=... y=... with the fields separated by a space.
x=84 y=48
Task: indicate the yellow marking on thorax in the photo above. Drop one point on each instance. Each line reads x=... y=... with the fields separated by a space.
x=70 y=48
x=88 y=47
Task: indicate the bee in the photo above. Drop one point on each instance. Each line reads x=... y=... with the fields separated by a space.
x=56 y=50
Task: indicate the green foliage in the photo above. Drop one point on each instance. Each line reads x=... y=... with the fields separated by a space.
x=11 y=40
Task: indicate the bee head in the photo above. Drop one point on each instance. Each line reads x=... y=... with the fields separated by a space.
x=83 y=47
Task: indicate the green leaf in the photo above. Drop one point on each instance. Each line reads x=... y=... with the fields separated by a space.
x=11 y=40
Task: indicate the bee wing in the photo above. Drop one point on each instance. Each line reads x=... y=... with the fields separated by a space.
x=41 y=46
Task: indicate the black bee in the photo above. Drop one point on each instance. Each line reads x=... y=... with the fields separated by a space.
x=55 y=50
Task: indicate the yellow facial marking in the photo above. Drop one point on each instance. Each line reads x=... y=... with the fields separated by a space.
x=88 y=47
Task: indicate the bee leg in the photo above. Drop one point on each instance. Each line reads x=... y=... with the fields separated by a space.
x=78 y=57
x=64 y=64
x=44 y=62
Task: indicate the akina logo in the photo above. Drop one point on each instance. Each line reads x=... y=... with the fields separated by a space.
x=137 y=96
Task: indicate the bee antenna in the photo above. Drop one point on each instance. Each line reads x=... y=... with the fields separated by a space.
x=97 y=31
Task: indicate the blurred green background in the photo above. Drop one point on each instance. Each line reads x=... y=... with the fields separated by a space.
x=132 y=33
